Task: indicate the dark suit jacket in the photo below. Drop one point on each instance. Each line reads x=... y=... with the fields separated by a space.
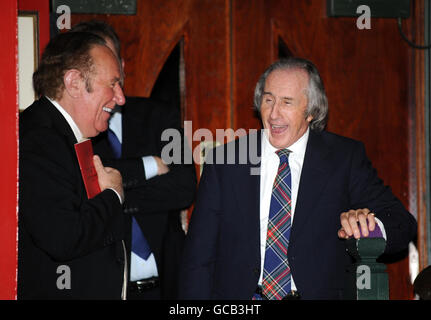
x=155 y=203
x=222 y=250
x=58 y=225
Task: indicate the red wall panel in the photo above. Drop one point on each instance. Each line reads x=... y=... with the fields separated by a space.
x=9 y=133
x=8 y=145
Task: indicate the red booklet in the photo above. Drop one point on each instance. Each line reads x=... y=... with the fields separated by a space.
x=84 y=152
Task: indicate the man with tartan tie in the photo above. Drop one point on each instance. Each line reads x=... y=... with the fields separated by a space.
x=278 y=234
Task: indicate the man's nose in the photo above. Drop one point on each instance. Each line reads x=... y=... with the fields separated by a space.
x=275 y=110
x=119 y=95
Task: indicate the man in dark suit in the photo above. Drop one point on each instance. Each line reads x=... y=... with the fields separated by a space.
x=279 y=233
x=155 y=192
x=70 y=247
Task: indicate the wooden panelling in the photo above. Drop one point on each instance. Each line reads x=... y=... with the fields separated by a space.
x=251 y=55
x=417 y=122
x=207 y=66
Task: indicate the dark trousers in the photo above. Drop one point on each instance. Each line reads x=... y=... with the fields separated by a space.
x=148 y=294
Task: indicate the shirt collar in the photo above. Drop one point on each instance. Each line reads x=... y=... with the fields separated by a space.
x=78 y=135
x=115 y=123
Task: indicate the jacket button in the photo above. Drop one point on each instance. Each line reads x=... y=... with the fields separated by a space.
x=256 y=271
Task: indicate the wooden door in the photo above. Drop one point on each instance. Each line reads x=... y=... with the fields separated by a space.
x=228 y=43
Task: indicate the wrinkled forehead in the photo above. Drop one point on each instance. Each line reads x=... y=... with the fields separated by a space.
x=106 y=66
x=104 y=57
x=288 y=80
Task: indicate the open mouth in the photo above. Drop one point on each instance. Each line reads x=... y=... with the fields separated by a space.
x=109 y=110
x=277 y=128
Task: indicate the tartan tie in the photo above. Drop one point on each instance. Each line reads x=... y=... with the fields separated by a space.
x=276 y=270
x=139 y=243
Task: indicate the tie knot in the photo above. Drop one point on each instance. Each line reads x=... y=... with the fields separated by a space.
x=111 y=133
x=283 y=154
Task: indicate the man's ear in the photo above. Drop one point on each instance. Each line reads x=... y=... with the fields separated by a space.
x=308 y=117
x=73 y=82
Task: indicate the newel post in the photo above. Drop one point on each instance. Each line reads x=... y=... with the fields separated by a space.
x=366 y=278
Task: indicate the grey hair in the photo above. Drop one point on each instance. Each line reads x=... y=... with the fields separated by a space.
x=317 y=102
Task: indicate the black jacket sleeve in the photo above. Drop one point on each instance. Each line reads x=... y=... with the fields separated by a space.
x=53 y=204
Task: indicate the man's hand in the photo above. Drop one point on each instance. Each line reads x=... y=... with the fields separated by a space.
x=349 y=223
x=162 y=168
x=109 y=178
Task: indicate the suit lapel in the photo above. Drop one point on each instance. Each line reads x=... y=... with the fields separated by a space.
x=59 y=122
x=315 y=174
x=125 y=129
x=247 y=192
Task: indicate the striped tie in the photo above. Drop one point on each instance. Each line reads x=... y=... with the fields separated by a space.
x=276 y=270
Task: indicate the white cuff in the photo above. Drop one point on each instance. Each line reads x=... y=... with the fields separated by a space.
x=382 y=227
x=118 y=195
x=150 y=166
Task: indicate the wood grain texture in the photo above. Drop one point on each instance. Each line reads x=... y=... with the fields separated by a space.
x=417 y=122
